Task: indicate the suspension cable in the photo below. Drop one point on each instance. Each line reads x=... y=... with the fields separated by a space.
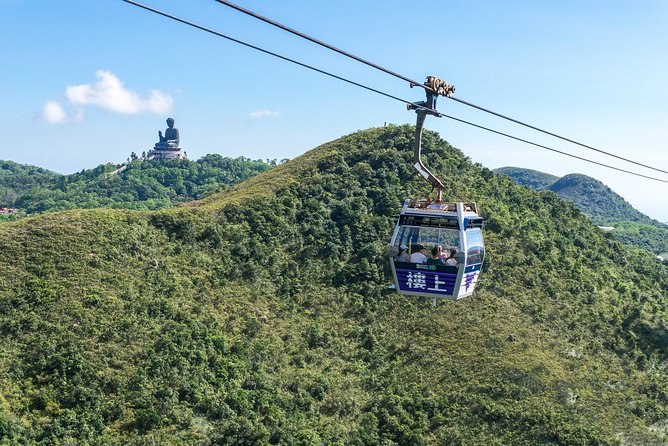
x=555 y=135
x=271 y=53
x=551 y=149
x=426 y=87
x=321 y=43
x=414 y=105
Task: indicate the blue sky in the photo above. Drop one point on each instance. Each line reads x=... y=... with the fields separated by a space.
x=87 y=82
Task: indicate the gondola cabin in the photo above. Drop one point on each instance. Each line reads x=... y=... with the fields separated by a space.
x=424 y=226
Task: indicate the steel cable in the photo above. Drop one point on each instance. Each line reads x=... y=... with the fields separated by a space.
x=418 y=84
x=301 y=64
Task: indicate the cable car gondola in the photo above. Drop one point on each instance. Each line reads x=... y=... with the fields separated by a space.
x=425 y=224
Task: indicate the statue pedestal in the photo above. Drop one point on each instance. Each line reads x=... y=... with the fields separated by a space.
x=166 y=154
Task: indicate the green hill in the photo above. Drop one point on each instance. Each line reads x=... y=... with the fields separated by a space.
x=261 y=315
x=533 y=179
x=601 y=204
x=16 y=178
x=591 y=196
x=607 y=208
x=597 y=200
x=643 y=236
x=140 y=185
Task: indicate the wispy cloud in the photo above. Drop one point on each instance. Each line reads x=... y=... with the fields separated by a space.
x=264 y=114
x=109 y=94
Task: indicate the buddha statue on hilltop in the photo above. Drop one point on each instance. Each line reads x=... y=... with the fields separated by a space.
x=171 y=139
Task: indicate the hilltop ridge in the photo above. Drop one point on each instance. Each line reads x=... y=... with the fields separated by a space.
x=261 y=315
x=533 y=179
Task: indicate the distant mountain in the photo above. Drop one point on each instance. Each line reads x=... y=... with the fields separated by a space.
x=597 y=200
x=591 y=196
x=600 y=203
x=140 y=184
x=534 y=179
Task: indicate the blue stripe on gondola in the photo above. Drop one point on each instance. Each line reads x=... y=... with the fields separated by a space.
x=472 y=222
x=471 y=268
x=430 y=282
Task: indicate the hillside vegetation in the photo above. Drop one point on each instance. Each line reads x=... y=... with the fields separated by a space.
x=643 y=236
x=597 y=200
x=261 y=315
x=533 y=179
x=142 y=185
x=600 y=203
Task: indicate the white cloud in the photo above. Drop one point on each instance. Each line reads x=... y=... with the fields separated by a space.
x=53 y=113
x=109 y=94
x=263 y=114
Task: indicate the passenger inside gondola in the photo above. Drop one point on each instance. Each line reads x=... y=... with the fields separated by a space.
x=435 y=258
x=452 y=260
x=403 y=255
x=419 y=254
x=442 y=254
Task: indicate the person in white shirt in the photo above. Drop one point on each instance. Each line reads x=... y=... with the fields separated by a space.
x=419 y=255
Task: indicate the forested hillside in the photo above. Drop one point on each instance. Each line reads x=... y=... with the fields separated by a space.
x=643 y=236
x=144 y=185
x=17 y=178
x=591 y=196
x=534 y=179
x=601 y=204
x=261 y=315
x=597 y=200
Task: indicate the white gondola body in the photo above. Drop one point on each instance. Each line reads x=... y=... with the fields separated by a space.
x=454 y=226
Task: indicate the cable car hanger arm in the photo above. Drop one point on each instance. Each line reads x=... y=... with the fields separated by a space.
x=435 y=87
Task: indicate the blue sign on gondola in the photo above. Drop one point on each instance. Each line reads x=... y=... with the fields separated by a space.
x=425 y=281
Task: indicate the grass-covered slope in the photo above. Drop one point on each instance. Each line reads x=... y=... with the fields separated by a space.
x=262 y=317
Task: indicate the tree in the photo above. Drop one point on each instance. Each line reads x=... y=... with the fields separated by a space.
x=9 y=198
